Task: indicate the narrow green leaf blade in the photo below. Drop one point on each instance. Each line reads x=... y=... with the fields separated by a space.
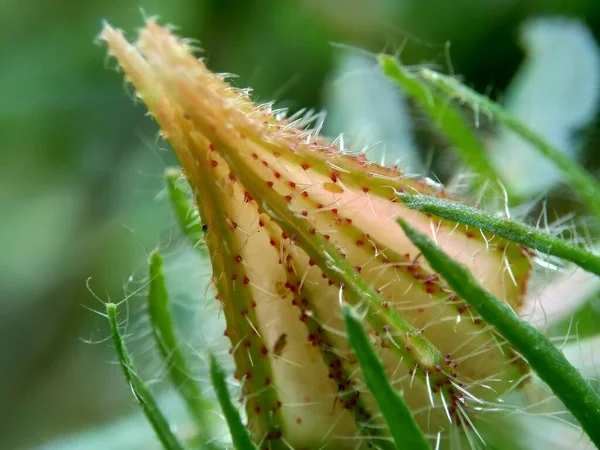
x=397 y=415
x=549 y=362
x=447 y=118
x=169 y=346
x=141 y=392
x=582 y=182
x=185 y=212
x=506 y=228
x=239 y=433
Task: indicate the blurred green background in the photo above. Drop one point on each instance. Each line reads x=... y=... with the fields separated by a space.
x=81 y=167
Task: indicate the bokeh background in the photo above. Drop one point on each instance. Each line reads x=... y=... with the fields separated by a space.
x=81 y=193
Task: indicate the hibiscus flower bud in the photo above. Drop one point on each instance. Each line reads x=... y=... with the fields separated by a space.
x=295 y=226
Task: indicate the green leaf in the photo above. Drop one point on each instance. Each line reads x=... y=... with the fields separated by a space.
x=582 y=182
x=170 y=347
x=239 y=433
x=140 y=391
x=447 y=118
x=185 y=212
x=397 y=415
x=506 y=228
x=549 y=362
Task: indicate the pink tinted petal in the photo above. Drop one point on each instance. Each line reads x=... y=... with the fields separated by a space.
x=555 y=301
x=585 y=356
x=540 y=432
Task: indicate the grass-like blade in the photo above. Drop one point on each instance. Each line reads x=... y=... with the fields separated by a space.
x=239 y=433
x=401 y=423
x=582 y=182
x=509 y=229
x=446 y=116
x=185 y=212
x=170 y=348
x=141 y=392
x=543 y=356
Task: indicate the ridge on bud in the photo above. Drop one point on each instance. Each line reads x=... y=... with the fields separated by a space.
x=295 y=226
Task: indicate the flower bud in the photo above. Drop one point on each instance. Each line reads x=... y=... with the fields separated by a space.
x=295 y=225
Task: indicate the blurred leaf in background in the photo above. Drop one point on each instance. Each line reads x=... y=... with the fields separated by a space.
x=556 y=92
x=370 y=112
x=81 y=188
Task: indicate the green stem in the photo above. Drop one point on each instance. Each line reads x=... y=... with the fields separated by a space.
x=447 y=117
x=170 y=348
x=549 y=362
x=506 y=228
x=140 y=391
x=185 y=213
x=239 y=433
x=397 y=415
x=584 y=184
